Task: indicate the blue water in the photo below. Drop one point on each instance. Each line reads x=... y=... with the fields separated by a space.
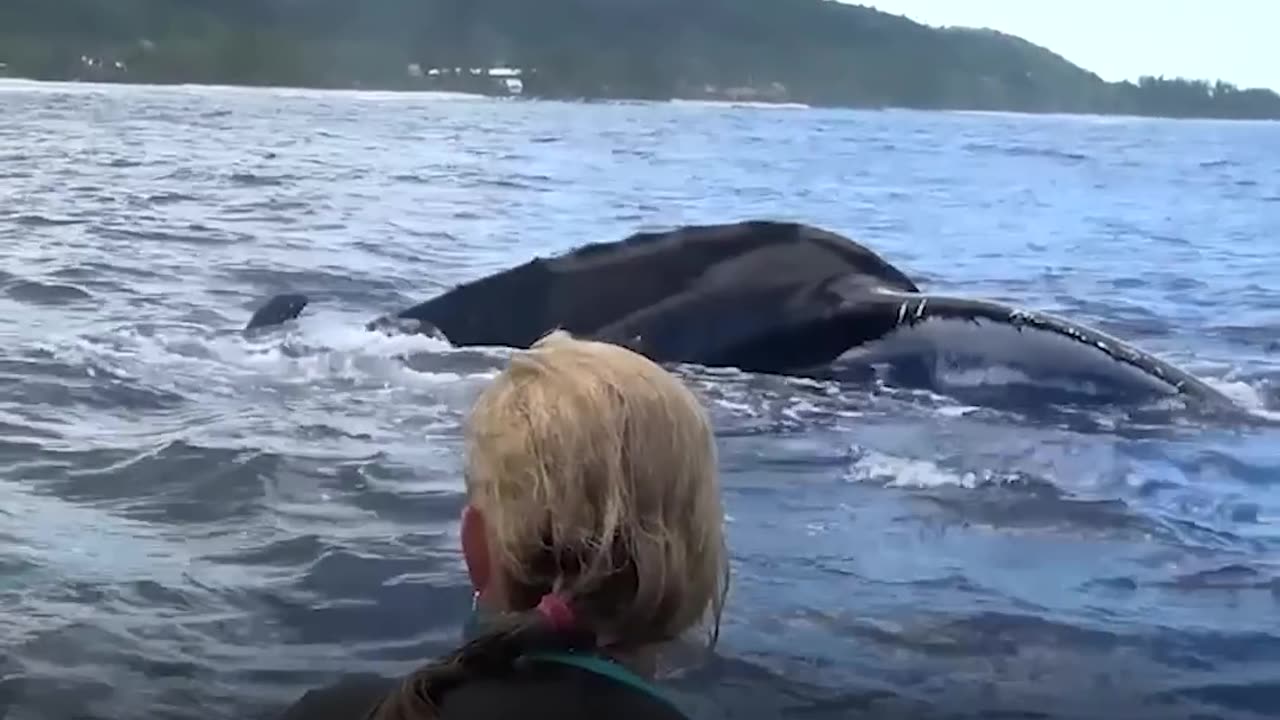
x=196 y=525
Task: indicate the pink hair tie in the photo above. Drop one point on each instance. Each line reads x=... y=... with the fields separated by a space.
x=557 y=611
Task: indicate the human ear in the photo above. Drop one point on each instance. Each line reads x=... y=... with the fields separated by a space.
x=475 y=548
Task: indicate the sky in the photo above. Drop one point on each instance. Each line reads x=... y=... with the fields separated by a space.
x=1123 y=39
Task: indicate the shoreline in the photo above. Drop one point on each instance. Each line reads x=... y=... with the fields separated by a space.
x=16 y=81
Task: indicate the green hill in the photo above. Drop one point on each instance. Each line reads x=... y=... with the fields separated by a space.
x=812 y=51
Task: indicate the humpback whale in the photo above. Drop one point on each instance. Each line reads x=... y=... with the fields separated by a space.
x=279 y=309
x=773 y=297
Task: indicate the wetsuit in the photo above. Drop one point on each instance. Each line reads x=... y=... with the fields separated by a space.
x=545 y=687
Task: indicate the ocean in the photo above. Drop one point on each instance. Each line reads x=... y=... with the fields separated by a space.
x=198 y=525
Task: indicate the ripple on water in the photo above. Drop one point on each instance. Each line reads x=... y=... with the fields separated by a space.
x=201 y=524
x=44 y=293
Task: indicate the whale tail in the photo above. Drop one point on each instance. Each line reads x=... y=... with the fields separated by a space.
x=277 y=311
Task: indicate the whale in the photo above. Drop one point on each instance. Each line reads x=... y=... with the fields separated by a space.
x=784 y=298
x=277 y=311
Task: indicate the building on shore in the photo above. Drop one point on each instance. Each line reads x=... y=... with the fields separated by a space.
x=487 y=81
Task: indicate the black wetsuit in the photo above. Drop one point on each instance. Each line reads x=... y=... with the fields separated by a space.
x=555 y=688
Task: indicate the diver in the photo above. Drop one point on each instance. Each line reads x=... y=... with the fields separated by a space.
x=592 y=535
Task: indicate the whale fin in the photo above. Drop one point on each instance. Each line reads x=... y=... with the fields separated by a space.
x=278 y=310
x=952 y=330
x=844 y=327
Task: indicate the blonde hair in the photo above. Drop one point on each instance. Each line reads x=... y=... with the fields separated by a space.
x=596 y=471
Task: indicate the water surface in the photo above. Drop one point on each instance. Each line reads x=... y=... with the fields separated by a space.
x=195 y=525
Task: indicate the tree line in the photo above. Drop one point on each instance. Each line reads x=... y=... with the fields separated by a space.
x=813 y=51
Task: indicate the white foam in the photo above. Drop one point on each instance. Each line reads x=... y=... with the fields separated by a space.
x=1245 y=395
x=744 y=104
x=873 y=466
x=315 y=350
x=956 y=411
x=352 y=392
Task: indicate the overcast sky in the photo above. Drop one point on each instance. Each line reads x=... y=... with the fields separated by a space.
x=1232 y=40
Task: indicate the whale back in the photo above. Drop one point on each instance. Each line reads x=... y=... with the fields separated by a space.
x=596 y=285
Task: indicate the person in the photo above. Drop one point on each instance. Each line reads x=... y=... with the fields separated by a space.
x=592 y=536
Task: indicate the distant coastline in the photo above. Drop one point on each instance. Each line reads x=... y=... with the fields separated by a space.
x=692 y=101
x=752 y=52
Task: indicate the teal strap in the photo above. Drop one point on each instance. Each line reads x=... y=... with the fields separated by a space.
x=600 y=666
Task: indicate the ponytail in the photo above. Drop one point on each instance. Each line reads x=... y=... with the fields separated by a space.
x=550 y=627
